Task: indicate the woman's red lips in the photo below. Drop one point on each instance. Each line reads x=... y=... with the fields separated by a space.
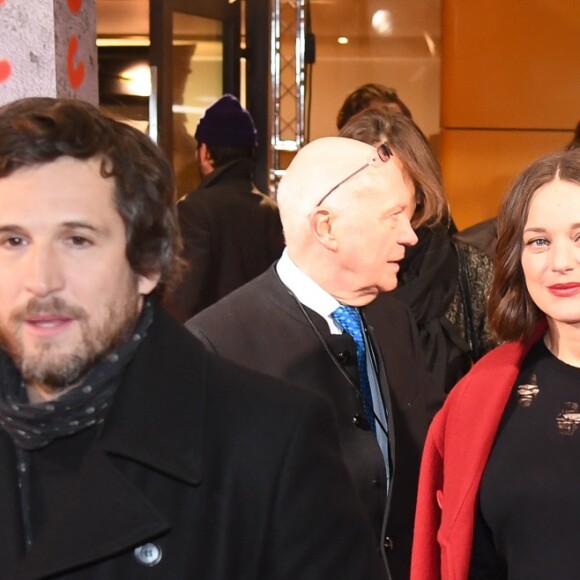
x=567 y=286
x=566 y=290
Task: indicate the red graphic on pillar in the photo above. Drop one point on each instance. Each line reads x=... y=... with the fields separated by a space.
x=73 y=5
x=76 y=73
x=5 y=69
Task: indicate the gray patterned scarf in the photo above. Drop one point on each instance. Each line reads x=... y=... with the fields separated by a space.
x=32 y=426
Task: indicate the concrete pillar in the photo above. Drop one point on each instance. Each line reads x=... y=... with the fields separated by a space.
x=48 y=48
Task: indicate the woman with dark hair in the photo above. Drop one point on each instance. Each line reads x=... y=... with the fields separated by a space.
x=498 y=494
x=444 y=282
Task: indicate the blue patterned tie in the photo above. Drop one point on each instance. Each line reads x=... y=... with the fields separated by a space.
x=349 y=318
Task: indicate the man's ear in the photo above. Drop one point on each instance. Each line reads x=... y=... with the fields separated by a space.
x=205 y=159
x=146 y=284
x=322 y=227
x=203 y=152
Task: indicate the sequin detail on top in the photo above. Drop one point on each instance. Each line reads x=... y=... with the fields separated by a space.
x=528 y=392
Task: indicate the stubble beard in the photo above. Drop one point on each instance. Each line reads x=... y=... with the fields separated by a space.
x=58 y=371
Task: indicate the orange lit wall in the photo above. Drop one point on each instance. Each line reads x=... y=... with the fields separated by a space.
x=510 y=91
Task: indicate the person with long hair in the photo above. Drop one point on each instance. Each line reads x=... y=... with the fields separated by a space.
x=443 y=281
x=498 y=491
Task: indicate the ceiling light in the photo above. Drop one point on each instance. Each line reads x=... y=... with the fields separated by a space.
x=382 y=22
x=430 y=43
x=342 y=40
x=136 y=81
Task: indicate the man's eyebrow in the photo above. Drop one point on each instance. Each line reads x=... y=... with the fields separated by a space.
x=81 y=225
x=69 y=225
x=100 y=230
x=12 y=228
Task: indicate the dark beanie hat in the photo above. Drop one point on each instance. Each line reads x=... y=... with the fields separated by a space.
x=227 y=124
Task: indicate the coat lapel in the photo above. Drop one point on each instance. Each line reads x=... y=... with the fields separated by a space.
x=106 y=514
x=472 y=425
x=282 y=297
x=163 y=390
x=387 y=322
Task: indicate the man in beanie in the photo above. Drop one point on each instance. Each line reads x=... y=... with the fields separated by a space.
x=231 y=231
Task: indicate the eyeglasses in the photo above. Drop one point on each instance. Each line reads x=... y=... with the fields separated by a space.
x=382 y=155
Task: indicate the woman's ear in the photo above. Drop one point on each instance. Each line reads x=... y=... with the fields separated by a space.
x=322 y=227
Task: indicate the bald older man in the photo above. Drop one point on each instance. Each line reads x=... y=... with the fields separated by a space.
x=346 y=209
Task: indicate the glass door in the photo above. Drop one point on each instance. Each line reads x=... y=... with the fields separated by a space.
x=194 y=60
x=197 y=68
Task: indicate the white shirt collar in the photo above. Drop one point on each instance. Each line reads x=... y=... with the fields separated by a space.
x=307 y=291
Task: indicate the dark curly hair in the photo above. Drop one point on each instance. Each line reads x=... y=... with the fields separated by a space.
x=39 y=130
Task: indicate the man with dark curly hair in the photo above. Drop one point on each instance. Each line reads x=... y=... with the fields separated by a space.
x=126 y=450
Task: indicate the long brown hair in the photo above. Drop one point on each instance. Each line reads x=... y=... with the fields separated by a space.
x=377 y=125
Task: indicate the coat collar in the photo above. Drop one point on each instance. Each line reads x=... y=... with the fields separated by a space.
x=238 y=170
x=162 y=390
x=283 y=298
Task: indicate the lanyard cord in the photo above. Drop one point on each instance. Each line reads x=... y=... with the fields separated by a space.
x=337 y=364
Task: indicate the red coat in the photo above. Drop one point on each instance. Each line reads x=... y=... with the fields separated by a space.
x=456 y=452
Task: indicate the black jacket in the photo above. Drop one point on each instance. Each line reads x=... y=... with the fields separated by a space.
x=262 y=326
x=222 y=473
x=231 y=233
x=445 y=283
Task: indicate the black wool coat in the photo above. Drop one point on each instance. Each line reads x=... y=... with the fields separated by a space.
x=231 y=234
x=262 y=326
x=203 y=470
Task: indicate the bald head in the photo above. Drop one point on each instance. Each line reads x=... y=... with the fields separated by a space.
x=350 y=237
x=318 y=167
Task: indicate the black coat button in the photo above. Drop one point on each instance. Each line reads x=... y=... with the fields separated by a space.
x=389 y=543
x=343 y=357
x=361 y=422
